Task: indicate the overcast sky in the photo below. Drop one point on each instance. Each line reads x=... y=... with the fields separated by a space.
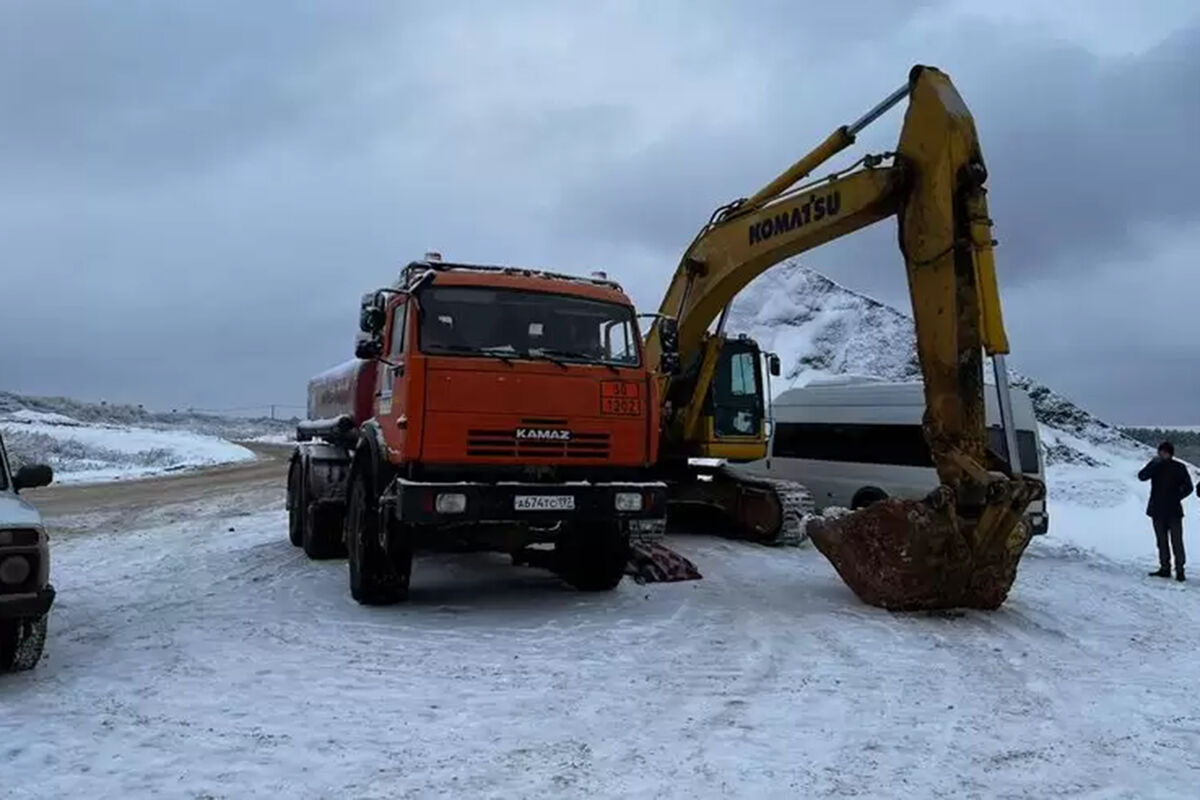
x=195 y=194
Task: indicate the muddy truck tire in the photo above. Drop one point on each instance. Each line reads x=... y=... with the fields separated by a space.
x=379 y=576
x=323 y=532
x=591 y=557
x=296 y=504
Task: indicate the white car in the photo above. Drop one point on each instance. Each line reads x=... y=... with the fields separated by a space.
x=25 y=591
x=855 y=442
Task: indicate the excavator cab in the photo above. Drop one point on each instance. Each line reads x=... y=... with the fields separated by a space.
x=734 y=425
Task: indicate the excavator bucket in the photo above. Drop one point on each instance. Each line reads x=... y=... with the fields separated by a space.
x=906 y=555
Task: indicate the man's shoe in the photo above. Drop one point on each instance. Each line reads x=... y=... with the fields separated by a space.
x=1179 y=575
x=1162 y=572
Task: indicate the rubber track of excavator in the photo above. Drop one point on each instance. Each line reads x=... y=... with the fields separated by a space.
x=797 y=503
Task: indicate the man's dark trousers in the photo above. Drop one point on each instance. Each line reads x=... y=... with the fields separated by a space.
x=1169 y=532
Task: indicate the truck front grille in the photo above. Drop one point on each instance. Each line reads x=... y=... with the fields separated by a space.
x=505 y=444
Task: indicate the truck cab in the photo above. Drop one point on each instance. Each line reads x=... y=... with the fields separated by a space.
x=512 y=371
x=25 y=591
x=488 y=408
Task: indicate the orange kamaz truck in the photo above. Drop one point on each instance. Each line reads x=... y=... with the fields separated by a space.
x=487 y=408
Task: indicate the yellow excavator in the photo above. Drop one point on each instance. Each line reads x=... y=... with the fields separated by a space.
x=960 y=546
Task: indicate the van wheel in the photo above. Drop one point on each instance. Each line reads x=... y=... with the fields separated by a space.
x=866 y=497
x=591 y=557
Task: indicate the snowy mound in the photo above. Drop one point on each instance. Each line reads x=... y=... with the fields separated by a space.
x=83 y=452
x=66 y=410
x=824 y=332
x=820 y=329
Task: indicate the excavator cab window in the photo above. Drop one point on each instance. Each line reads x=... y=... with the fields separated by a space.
x=736 y=400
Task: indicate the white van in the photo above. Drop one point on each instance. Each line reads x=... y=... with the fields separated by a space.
x=858 y=441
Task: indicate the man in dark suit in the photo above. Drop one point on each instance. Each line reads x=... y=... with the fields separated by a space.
x=1170 y=482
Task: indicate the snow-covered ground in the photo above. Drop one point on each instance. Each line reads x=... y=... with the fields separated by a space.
x=209 y=658
x=98 y=451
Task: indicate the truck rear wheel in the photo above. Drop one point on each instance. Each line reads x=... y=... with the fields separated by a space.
x=21 y=643
x=378 y=576
x=296 y=503
x=323 y=531
x=592 y=555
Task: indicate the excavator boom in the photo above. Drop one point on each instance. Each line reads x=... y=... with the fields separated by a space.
x=960 y=546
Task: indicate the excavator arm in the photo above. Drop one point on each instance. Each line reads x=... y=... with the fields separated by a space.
x=961 y=545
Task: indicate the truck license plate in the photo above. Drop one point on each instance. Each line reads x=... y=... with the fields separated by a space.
x=544 y=502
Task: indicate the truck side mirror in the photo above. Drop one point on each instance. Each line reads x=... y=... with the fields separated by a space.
x=773 y=365
x=668 y=343
x=668 y=334
x=368 y=348
x=371 y=315
x=32 y=476
x=370 y=320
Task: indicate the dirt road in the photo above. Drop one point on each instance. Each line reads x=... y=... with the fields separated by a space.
x=231 y=489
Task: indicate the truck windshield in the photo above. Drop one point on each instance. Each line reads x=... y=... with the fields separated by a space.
x=462 y=320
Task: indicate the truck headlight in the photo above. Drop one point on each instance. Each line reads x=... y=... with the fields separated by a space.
x=629 y=501
x=450 y=503
x=14 y=570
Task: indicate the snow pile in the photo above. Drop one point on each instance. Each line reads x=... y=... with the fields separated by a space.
x=822 y=331
x=275 y=438
x=97 y=451
x=225 y=427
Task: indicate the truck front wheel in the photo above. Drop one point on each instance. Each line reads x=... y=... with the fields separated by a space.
x=378 y=576
x=21 y=643
x=592 y=555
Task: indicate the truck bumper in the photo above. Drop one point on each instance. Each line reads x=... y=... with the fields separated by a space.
x=1039 y=524
x=427 y=503
x=26 y=606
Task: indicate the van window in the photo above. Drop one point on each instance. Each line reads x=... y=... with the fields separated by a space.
x=1027 y=450
x=899 y=445
x=743 y=375
x=894 y=445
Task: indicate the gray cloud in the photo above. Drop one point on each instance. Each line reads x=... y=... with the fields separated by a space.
x=1081 y=150
x=196 y=194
